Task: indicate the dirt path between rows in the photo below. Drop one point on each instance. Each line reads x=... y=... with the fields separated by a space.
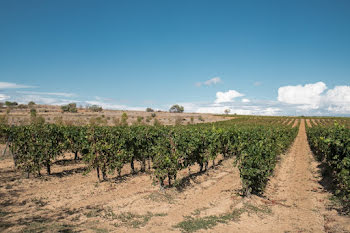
x=297 y=200
x=294 y=201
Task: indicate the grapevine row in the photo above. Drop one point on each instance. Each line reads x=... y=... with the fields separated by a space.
x=165 y=149
x=331 y=145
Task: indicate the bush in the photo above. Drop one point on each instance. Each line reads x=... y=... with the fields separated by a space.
x=153 y=115
x=156 y=122
x=124 y=120
x=176 y=108
x=95 y=108
x=72 y=107
x=11 y=104
x=22 y=106
x=149 y=110
x=178 y=121
x=139 y=119
x=31 y=104
x=33 y=112
x=97 y=121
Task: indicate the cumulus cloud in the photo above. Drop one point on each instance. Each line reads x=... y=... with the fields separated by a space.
x=307 y=96
x=210 y=82
x=7 y=85
x=338 y=99
x=228 y=96
x=244 y=100
x=314 y=99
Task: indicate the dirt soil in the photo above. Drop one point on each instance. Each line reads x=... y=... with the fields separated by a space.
x=296 y=200
x=53 y=114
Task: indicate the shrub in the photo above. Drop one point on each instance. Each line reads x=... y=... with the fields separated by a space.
x=176 y=108
x=124 y=120
x=156 y=122
x=72 y=107
x=95 y=108
x=31 y=104
x=33 y=112
x=11 y=104
x=139 y=119
x=149 y=110
x=97 y=121
x=22 y=106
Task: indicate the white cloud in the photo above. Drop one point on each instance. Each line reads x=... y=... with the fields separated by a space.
x=43 y=100
x=307 y=96
x=313 y=100
x=228 y=96
x=105 y=105
x=244 y=100
x=210 y=82
x=338 y=99
x=241 y=110
x=63 y=94
x=7 y=85
x=4 y=97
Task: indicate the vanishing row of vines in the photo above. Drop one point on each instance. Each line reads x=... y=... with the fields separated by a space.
x=331 y=146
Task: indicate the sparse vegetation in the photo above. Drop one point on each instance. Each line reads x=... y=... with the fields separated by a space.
x=124 y=120
x=95 y=108
x=72 y=107
x=149 y=110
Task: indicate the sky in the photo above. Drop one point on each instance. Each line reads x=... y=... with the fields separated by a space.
x=253 y=57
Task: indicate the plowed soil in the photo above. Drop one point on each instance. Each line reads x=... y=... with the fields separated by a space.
x=296 y=200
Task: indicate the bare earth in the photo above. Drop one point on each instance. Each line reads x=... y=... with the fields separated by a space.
x=69 y=201
x=53 y=114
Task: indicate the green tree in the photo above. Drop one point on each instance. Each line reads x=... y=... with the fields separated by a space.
x=176 y=108
x=72 y=107
x=95 y=108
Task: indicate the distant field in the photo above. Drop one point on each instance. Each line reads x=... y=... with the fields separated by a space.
x=53 y=114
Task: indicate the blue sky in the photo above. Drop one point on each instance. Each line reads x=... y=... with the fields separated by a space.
x=262 y=57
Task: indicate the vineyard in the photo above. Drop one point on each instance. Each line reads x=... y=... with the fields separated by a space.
x=331 y=145
x=142 y=178
x=255 y=144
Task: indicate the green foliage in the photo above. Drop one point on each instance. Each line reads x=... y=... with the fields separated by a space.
x=32 y=112
x=149 y=110
x=72 y=107
x=35 y=146
x=95 y=108
x=107 y=149
x=11 y=104
x=98 y=121
x=124 y=120
x=139 y=120
x=331 y=145
x=200 y=118
x=176 y=108
x=31 y=104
